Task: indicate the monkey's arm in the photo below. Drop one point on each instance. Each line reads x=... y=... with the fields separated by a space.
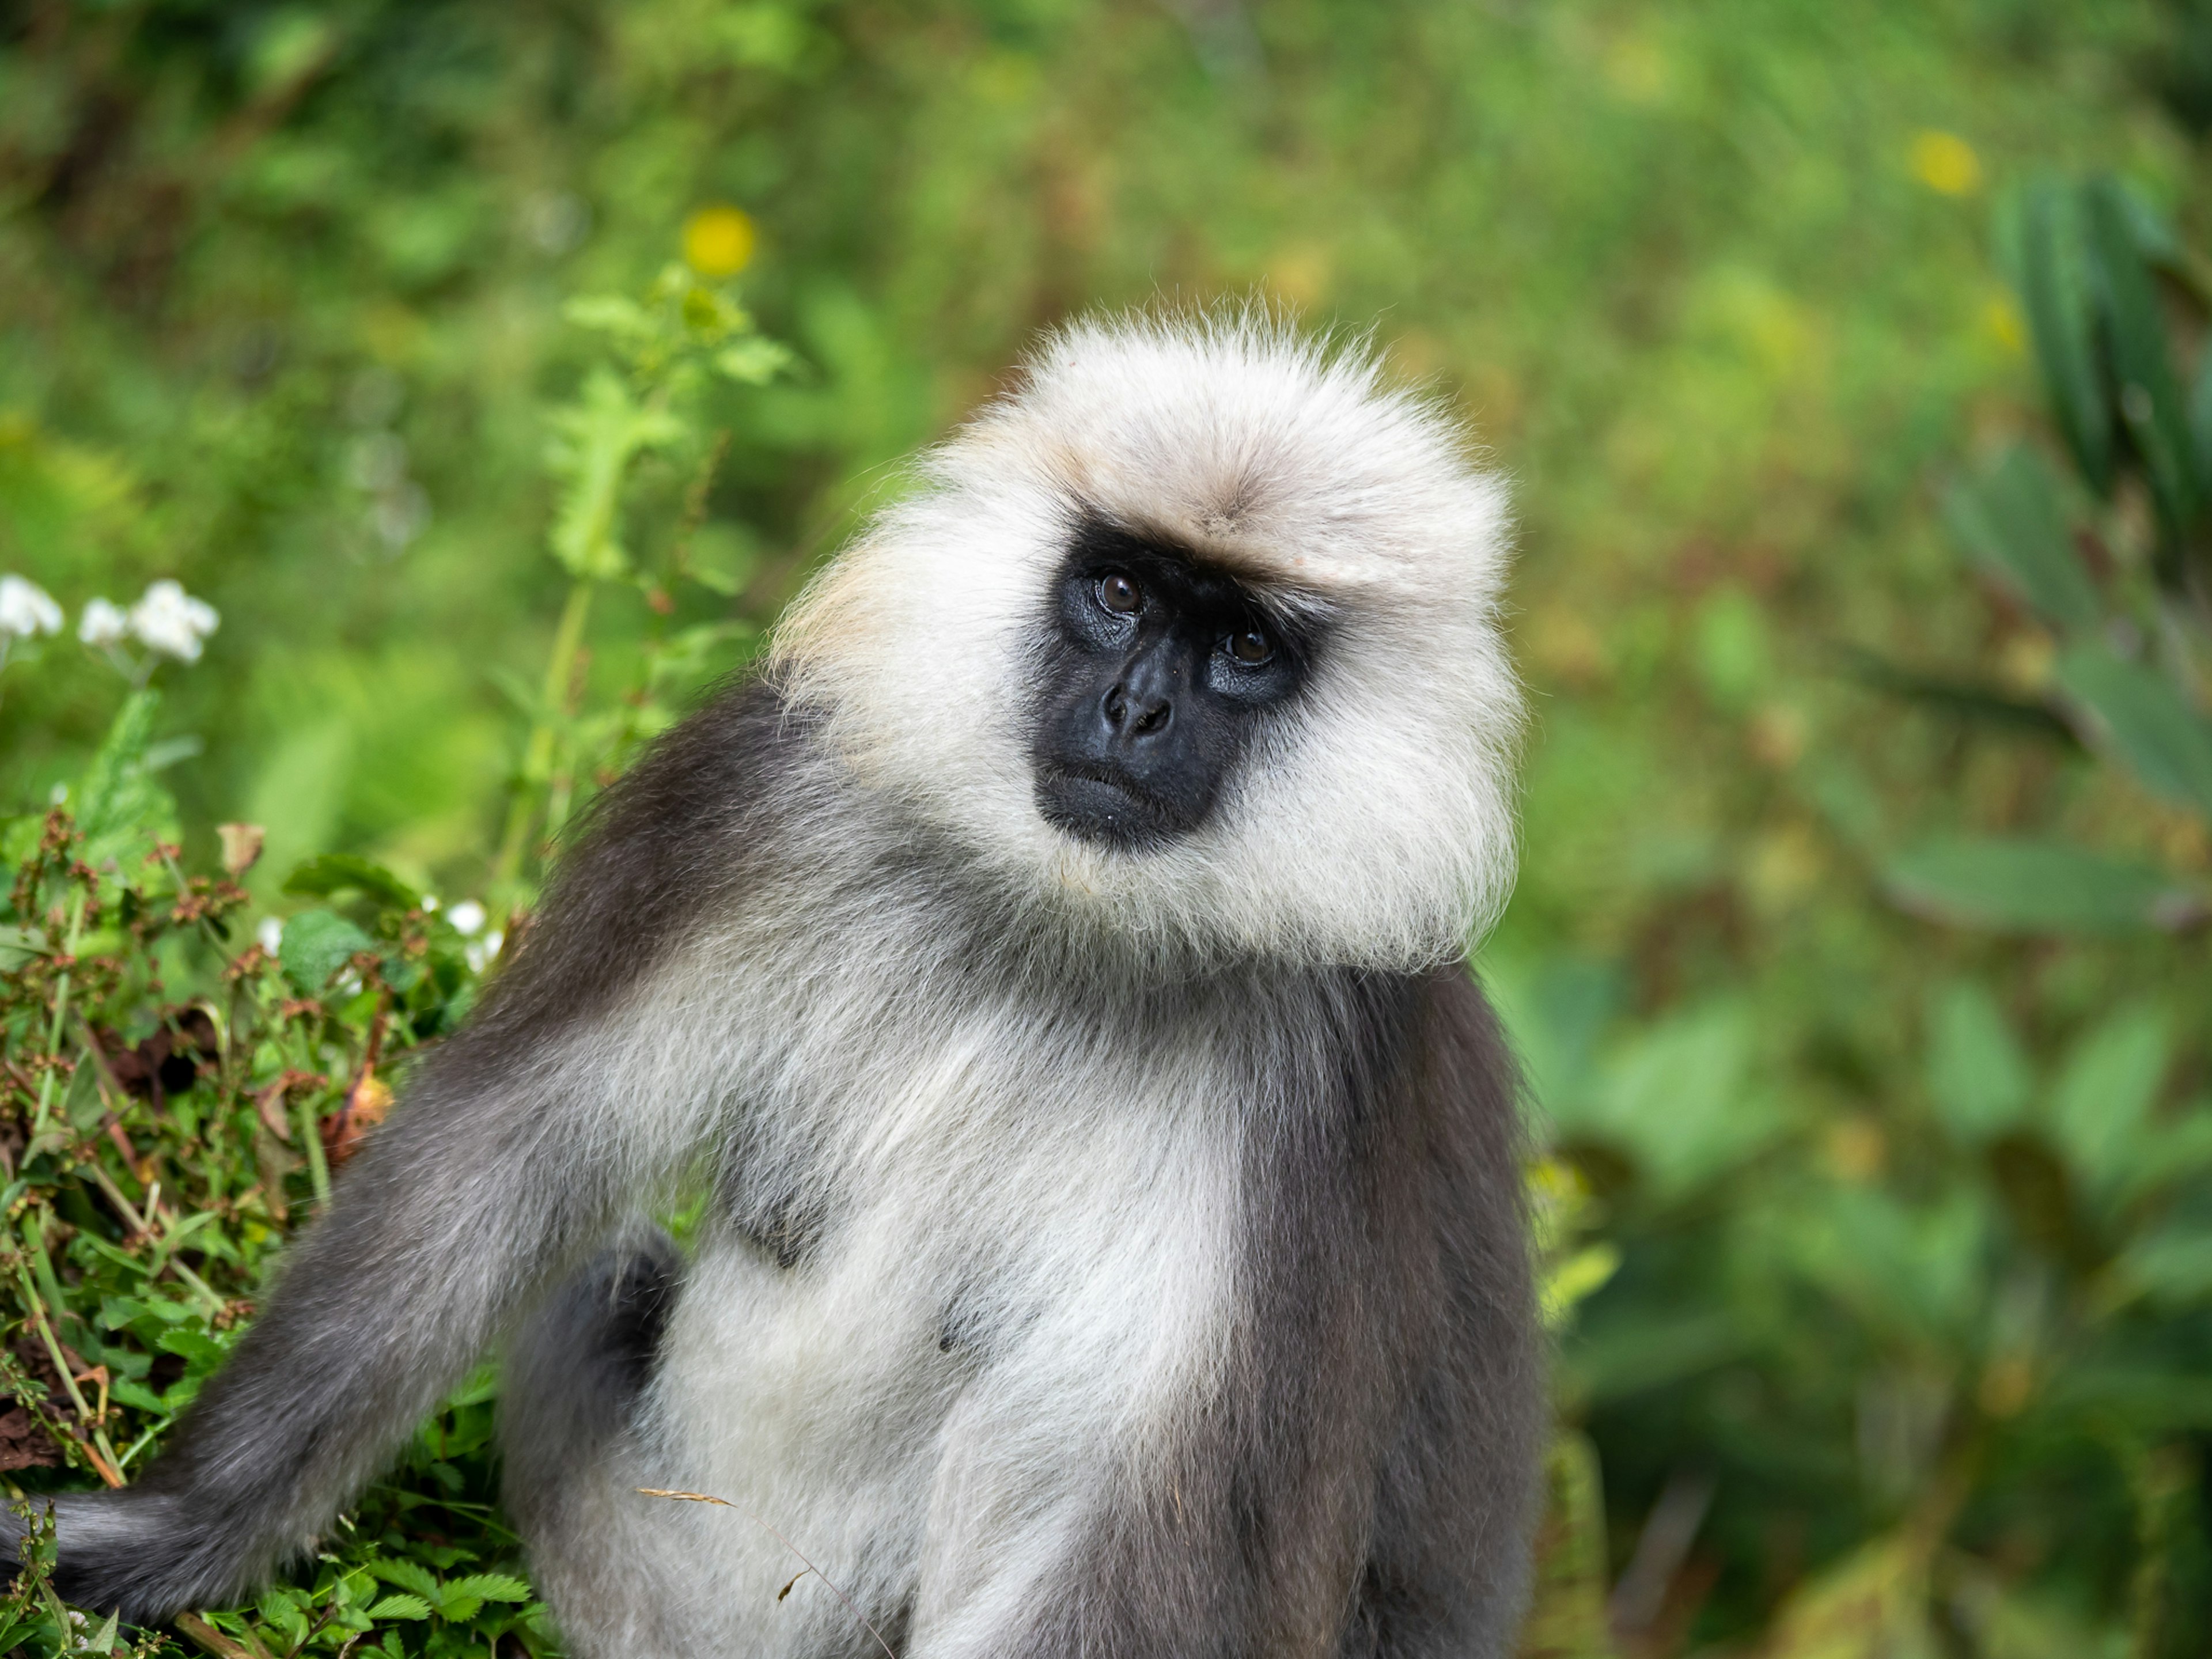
x=518 y=1144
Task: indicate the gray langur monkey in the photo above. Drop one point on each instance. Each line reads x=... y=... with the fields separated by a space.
x=1059 y=950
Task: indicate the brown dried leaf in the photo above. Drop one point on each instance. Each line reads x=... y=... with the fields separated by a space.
x=24 y=1444
x=241 y=846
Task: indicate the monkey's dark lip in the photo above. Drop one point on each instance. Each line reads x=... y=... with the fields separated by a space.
x=1096 y=804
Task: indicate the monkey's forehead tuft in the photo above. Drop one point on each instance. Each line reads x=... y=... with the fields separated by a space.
x=1285 y=458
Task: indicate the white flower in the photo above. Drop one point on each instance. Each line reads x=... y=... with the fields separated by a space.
x=270 y=935
x=103 y=623
x=172 y=622
x=466 y=916
x=482 y=952
x=27 y=609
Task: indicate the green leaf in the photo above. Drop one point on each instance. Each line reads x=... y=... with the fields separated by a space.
x=754 y=361
x=596 y=437
x=2010 y=523
x=203 y=1350
x=2101 y=1107
x=408 y=1575
x=1960 y=699
x=120 y=809
x=2034 y=887
x=315 y=945
x=1977 y=1073
x=491 y=1587
x=1566 y=1616
x=339 y=872
x=722 y=556
x=2054 y=289
x=2149 y=397
x=2140 y=717
x=1677 y=1096
x=401 y=1607
x=611 y=313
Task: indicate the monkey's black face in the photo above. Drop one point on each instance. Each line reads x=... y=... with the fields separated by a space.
x=1153 y=672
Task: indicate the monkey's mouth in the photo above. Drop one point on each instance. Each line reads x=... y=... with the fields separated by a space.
x=1100 y=804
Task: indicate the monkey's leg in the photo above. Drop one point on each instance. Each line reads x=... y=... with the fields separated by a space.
x=572 y=1380
x=575 y=1369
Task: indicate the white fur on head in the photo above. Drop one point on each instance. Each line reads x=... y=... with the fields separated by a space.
x=1371 y=823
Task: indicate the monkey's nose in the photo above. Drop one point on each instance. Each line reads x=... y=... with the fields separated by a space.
x=1135 y=711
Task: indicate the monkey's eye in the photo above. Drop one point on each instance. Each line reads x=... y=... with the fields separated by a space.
x=1251 y=647
x=1120 y=595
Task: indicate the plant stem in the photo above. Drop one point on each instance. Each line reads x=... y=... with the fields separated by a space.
x=103 y=1458
x=538 y=754
x=61 y=1013
x=311 y=1132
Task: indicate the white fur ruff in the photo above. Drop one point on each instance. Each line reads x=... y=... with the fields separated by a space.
x=1371 y=825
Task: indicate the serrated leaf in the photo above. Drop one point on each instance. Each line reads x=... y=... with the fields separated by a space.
x=2149 y=397
x=338 y=873
x=754 y=361
x=2054 y=290
x=316 y=944
x=2034 y=887
x=2140 y=718
x=490 y=1587
x=401 y=1607
x=408 y=1575
x=597 y=436
x=2010 y=523
x=120 y=809
x=609 y=313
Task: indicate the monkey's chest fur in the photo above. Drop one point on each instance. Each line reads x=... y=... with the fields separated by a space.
x=943 y=1313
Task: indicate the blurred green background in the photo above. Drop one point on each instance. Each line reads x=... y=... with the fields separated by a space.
x=1906 y=1342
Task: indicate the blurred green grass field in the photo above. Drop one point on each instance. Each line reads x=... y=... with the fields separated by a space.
x=281 y=292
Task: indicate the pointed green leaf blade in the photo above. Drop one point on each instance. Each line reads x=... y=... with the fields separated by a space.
x=2010 y=523
x=2022 y=886
x=2150 y=403
x=2054 y=292
x=2138 y=716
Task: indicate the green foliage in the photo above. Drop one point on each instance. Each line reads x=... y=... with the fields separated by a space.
x=172 y=1104
x=1864 y=1009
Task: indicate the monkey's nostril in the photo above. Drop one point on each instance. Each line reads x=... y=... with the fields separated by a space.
x=1154 y=718
x=1115 y=707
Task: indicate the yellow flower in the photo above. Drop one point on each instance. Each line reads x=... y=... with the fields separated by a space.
x=1946 y=163
x=2002 y=319
x=717 y=241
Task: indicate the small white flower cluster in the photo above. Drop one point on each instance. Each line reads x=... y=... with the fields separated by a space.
x=468 y=917
x=165 y=619
x=27 y=609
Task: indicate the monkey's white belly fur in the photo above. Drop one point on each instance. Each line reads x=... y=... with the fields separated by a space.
x=1026 y=1265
